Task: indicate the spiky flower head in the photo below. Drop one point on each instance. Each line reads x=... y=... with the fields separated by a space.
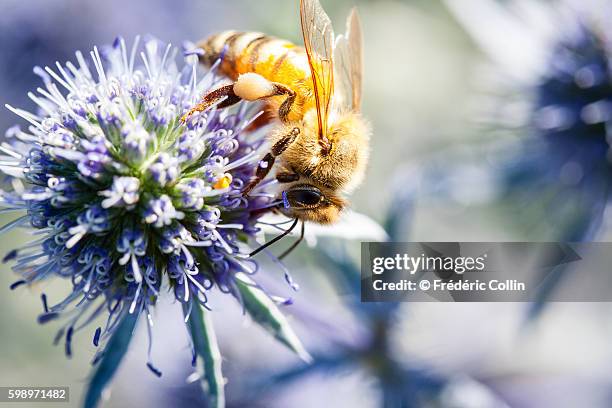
x=553 y=88
x=572 y=111
x=126 y=200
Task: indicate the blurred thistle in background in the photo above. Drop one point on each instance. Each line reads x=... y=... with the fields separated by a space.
x=551 y=92
x=547 y=103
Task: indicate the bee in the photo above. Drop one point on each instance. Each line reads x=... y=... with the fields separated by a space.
x=312 y=96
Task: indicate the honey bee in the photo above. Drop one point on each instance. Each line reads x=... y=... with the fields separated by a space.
x=312 y=96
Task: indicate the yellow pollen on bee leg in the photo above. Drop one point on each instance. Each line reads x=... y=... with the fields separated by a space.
x=223 y=182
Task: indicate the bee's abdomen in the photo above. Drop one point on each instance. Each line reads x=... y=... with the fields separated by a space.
x=240 y=52
x=228 y=46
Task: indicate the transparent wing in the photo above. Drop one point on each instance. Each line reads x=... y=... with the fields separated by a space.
x=348 y=57
x=319 y=43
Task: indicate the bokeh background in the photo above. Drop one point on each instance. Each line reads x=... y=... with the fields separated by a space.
x=422 y=86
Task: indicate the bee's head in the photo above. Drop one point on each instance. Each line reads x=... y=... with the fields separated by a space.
x=311 y=203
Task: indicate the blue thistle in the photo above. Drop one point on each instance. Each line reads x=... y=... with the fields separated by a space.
x=126 y=201
x=558 y=178
x=565 y=166
x=570 y=145
x=571 y=115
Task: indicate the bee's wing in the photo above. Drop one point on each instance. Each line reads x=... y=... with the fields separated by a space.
x=348 y=56
x=319 y=43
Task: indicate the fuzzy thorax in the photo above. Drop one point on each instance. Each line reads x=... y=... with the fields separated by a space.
x=336 y=173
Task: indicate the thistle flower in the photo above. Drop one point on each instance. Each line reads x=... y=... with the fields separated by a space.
x=551 y=87
x=124 y=201
x=554 y=87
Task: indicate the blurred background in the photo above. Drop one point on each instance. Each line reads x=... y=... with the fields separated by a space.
x=438 y=172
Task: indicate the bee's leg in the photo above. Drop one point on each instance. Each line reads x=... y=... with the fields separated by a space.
x=213 y=97
x=265 y=165
x=285 y=108
x=263 y=168
x=252 y=87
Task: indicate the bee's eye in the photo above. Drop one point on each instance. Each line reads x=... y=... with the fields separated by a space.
x=304 y=196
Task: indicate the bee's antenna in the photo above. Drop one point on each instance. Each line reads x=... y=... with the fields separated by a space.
x=295 y=244
x=275 y=239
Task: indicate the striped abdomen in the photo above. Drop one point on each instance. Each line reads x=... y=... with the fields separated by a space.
x=275 y=59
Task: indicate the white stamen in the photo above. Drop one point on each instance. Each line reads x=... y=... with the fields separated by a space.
x=40 y=102
x=125 y=258
x=84 y=67
x=243 y=160
x=9 y=163
x=58 y=79
x=38 y=196
x=8 y=150
x=146 y=64
x=67 y=154
x=124 y=57
x=227 y=248
x=136 y=269
x=12 y=171
x=163 y=61
x=195 y=282
x=50 y=97
x=136 y=297
x=198 y=243
x=185 y=284
x=25 y=115
x=73 y=87
x=95 y=55
x=232 y=226
x=133 y=53
x=74 y=239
